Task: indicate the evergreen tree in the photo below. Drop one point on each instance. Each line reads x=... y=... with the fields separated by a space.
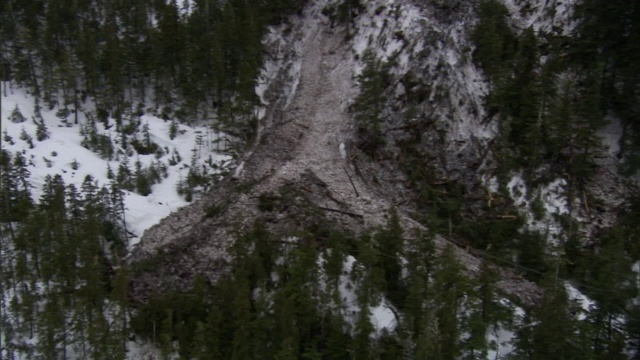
x=613 y=286
x=16 y=116
x=41 y=130
x=449 y=287
x=369 y=104
x=555 y=334
x=420 y=265
x=495 y=43
x=390 y=242
x=173 y=130
x=15 y=190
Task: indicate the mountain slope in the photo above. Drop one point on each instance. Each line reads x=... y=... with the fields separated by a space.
x=304 y=159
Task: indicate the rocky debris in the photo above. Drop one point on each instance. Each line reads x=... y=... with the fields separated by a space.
x=295 y=176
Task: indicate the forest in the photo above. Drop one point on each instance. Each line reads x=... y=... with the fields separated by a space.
x=64 y=282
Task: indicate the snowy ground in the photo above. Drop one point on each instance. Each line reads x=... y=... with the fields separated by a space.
x=381 y=314
x=56 y=154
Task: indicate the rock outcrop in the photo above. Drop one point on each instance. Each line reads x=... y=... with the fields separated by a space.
x=303 y=168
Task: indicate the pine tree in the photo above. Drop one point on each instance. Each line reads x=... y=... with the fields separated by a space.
x=199 y=346
x=391 y=242
x=362 y=332
x=531 y=256
x=610 y=273
x=41 y=130
x=173 y=129
x=16 y=116
x=15 y=191
x=420 y=255
x=485 y=310
x=338 y=342
x=495 y=43
x=120 y=323
x=449 y=287
x=554 y=335
x=143 y=183
x=242 y=319
x=124 y=178
x=369 y=104
x=24 y=136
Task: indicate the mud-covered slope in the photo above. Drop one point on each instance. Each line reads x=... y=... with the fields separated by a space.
x=301 y=173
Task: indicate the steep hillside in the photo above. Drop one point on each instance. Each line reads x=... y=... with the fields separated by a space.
x=401 y=179
x=306 y=156
x=395 y=110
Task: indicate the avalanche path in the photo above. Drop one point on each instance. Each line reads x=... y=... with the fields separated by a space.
x=302 y=157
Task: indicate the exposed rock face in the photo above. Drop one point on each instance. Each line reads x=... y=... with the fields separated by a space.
x=303 y=167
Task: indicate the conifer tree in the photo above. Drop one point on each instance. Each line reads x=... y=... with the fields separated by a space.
x=449 y=287
x=613 y=282
x=368 y=106
x=41 y=130
x=390 y=241
x=420 y=255
x=554 y=335
x=16 y=116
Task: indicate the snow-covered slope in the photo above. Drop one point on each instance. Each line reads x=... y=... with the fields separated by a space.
x=58 y=153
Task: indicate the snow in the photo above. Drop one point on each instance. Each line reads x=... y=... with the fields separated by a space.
x=543 y=15
x=56 y=154
x=62 y=148
x=500 y=339
x=185 y=7
x=554 y=201
x=580 y=299
x=343 y=151
x=611 y=135
x=382 y=317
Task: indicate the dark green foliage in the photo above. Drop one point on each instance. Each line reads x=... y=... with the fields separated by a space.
x=15 y=192
x=116 y=54
x=632 y=327
x=24 y=136
x=143 y=148
x=607 y=43
x=214 y=210
x=548 y=111
x=368 y=106
x=75 y=165
x=7 y=138
x=16 y=116
x=531 y=254
x=449 y=285
x=92 y=140
x=65 y=246
x=495 y=42
x=41 y=131
x=553 y=333
x=391 y=243
x=343 y=12
x=173 y=130
x=267 y=202
x=248 y=313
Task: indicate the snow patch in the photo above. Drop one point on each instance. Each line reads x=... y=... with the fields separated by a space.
x=382 y=317
x=56 y=154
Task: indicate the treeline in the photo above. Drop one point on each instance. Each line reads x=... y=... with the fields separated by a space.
x=548 y=111
x=185 y=62
x=312 y=296
x=552 y=92
x=62 y=287
x=607 y=39
x=310 y=293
